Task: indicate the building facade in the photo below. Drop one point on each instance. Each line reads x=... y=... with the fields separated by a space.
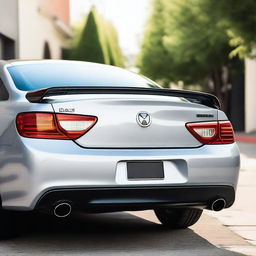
x=34 y=29
x=250 y=95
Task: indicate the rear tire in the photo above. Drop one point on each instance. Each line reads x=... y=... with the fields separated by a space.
x=178 y=218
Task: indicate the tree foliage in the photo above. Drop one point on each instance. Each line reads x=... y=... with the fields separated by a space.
x=97 y=41
x=154 y=60
x=185 y=42
x=239 y=20
x=89 y=46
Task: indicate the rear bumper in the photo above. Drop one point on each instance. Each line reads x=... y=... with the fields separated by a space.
x=136 y=198
x=32 y=167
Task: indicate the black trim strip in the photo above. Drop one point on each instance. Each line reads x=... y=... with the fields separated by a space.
x=195 y=97
x=137 y=197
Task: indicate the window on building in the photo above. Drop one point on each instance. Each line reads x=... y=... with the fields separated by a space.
x=7 y=48
x=47 y=51
x=4 y=95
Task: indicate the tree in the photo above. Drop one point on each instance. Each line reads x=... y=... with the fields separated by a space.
x=89 y=47
x=116 y=56
x=154 y=60
x=97 y=41
x=109 y=37
x=193 y=46
x=239 y=19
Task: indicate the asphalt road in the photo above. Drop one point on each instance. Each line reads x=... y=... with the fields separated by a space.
x=117 y=234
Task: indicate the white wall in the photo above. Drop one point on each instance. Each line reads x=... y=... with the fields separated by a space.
x=8 y=18
x=9 y=22
x=250 y=95
x=36 y=28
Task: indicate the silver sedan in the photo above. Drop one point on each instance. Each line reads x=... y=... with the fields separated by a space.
x=78 y=136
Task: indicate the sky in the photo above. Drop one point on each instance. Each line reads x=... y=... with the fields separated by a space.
x=128 y=16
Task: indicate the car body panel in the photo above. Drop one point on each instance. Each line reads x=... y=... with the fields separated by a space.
x=34 y=166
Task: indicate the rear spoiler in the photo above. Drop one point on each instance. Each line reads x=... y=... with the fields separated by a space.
x=192 y=96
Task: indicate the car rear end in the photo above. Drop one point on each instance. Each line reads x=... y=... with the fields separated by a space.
x=91 y=151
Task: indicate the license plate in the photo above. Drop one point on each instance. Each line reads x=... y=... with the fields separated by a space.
x=145 y=170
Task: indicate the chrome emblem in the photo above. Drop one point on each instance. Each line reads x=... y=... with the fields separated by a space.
x=143 y=119
x=68 y=110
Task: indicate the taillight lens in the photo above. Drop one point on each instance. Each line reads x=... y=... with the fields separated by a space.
x=74 y=126
x=54 y=126
x=219 y=132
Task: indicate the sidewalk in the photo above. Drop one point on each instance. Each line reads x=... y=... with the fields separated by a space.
x=241 y=217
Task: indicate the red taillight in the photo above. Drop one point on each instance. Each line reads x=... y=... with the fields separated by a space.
x=218 y=132
x=54 y=126
x=74 y=126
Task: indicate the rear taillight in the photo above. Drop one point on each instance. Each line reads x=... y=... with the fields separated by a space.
x=218 y=132
x=54 y=126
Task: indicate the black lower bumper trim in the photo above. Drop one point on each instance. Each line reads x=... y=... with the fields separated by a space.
x=137 y=198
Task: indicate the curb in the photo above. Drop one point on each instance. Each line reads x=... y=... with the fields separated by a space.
x=246 y=139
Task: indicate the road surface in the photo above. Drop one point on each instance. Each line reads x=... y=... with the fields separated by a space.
x=116 y=234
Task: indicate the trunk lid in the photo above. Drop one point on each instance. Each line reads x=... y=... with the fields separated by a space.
x=120 y=125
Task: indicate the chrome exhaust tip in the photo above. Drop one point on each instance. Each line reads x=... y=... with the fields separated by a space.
x=218 y=205
x=62 y=210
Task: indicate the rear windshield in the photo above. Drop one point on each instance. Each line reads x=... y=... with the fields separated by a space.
x=44 y=75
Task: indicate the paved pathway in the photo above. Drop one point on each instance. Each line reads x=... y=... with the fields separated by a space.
x=241 y=217
x=123 y=234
